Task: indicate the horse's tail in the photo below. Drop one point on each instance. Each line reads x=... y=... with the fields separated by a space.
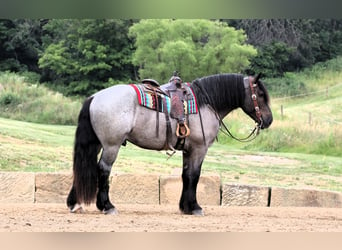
x=86 y=148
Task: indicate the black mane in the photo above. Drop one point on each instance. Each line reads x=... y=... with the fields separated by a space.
x=221 y=91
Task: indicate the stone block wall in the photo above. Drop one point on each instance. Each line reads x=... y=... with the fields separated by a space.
x=16 y=187
x=245 y=195
x=287 y=197
x=208 y=190
x=134 y=189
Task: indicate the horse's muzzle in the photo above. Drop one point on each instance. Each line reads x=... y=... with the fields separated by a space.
x=265 y=122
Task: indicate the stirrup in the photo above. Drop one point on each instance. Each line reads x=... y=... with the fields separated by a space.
x=185 y=134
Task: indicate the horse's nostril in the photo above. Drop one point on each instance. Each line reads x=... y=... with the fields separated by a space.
x=268 y=121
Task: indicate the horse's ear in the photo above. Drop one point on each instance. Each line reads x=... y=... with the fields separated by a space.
x=256 y=79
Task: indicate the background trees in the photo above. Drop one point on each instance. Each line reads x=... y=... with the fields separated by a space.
x=20 y=44
x=86 y=54
x=82 y=56
x=193 y=47
x=303 y=42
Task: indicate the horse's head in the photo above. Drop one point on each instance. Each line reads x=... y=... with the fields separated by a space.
x=256 y=103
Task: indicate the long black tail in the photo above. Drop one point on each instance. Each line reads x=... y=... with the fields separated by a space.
x=86 y=149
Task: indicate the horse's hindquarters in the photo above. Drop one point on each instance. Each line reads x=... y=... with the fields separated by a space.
x=112 y=114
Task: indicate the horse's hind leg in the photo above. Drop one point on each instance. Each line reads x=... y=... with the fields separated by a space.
x=105 y=165
x=72 y=201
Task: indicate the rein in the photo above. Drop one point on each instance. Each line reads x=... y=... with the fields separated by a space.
x=254 y=133
x=225 y=130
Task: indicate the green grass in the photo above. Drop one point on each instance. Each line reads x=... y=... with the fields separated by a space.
x=33 y=147
x=21 y=100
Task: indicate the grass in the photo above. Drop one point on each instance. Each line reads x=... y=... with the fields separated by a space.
x=33 y=147
x=21 y=100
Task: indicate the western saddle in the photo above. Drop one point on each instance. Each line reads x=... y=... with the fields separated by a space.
x=177 y=93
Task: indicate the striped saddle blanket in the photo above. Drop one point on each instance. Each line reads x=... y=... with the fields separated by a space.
x=157 y=100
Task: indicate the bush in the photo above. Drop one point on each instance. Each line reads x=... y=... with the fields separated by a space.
x=9 y=99
x=23 y=101
x=289 y=85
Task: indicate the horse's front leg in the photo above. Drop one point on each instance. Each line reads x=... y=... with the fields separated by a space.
x=192 y=163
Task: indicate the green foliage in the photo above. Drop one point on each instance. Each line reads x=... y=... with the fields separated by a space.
x=288 y=85
x=9 y=99
x=272 y=59
x=20 y=44
x=91 y=52
x=193 y=47
x=298 y=139
x=88 y=52
x=24 y=101
x=311 y=79
x=312 y=40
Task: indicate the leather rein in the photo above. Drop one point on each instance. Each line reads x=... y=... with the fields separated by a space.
x=249 y=83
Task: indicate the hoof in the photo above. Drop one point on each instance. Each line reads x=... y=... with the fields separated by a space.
x=198 y=212
x=76 y=209
x=111 y=211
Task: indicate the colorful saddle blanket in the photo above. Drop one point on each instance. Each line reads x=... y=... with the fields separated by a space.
x=148 y=99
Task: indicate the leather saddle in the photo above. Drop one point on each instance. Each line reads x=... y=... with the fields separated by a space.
x=178 y=94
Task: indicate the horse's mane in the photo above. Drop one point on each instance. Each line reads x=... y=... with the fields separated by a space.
x=220 y=91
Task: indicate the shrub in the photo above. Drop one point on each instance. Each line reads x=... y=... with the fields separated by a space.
x=289 y=85
x=9 y=99
x=21 y=100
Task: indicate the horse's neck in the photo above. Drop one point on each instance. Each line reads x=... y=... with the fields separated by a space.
x=223 y=113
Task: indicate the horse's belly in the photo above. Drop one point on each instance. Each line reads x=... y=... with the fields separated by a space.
x=148 y=132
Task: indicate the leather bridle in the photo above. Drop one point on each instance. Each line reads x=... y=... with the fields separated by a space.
x=253 y=84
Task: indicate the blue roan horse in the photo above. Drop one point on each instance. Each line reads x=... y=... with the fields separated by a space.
x=113 y=116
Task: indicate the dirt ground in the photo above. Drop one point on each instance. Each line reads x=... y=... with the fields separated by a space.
x=162 y=218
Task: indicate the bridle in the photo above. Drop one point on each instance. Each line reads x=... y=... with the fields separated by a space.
x=252 y=84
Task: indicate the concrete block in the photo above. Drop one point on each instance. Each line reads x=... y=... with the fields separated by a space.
x=244 y=195
x=16 y=187
x=285 y=197
x=208 y=190
x=52 y=187
x=135 y=189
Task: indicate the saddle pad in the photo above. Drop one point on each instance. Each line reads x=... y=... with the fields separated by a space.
x=191 y=104
x=147 y=99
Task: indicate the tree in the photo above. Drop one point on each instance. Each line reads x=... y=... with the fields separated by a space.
x=193 y=47
x=20 y=44
x=85 y=55
x=272 y=59
x=304 y=42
